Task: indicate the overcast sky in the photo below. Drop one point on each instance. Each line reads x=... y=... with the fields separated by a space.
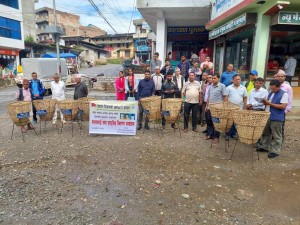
x=117 y=12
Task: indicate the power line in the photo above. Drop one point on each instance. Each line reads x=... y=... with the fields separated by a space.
x=97 y=9
x=131 y=18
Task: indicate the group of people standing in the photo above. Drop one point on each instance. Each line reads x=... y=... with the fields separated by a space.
x=199 y=87
x=34 y=90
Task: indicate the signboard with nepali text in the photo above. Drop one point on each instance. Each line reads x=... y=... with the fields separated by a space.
x=113 y=117
x=227 y=27
x=292 y=18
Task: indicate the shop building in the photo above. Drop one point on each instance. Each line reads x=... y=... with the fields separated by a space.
x=11 y=36
x=255 y=34
x=179 y=26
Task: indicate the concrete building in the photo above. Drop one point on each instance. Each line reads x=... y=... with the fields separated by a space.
x=29 y=19
x=89 y=50
x=254 y=34
x=117 y=45
x=11 y=35
x=143 y=38
x=69 y=23
x=179 y=26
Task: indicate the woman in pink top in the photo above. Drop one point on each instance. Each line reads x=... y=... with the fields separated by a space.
x=120 y=86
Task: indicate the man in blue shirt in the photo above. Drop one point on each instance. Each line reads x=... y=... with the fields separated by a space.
x=146 y=88
x=184 y=67
x=227 y=76
x=37 y=92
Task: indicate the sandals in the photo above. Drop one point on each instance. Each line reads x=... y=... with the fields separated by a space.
x=185 y=130
x=207 y=138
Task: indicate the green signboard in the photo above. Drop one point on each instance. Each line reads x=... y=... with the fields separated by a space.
x=227 y=27
x=289 y=18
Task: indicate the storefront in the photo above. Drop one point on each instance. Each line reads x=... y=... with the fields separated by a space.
x=8 y=62
x=255 y=35
x=233 y=44
x=185 y=40
x=284 y=38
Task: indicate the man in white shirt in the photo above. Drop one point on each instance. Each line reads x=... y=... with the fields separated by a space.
x=58 y=89
x=179 y=80
x=193 y=98
x=254 y=102
x=158 y=80
x=237 y=94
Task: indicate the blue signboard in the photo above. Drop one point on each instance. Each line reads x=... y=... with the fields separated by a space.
x=23 y=115
x=66 y=111
x=41 y=112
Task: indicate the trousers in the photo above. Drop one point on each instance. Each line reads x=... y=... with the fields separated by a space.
x=187 y=110
x=272 y=137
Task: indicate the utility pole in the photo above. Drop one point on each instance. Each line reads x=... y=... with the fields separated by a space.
x=57 y=35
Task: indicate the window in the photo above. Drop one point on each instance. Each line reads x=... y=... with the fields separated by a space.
x=119 y=45
x=10 y=28
x=10 y=3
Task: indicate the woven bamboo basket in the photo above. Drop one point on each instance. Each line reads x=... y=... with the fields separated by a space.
x=222 y=115
x=15 y=108
x=66 y=105
x=153 y=105
x=84 y=106
x=48 y=105
x=173 y=106
x=250 y=124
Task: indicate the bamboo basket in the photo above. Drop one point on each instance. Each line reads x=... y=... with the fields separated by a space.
x=69 y=105
x=84 y=106
x=48 y=105
x=173 y=106
x=153 y=105
x=15 y=108
x=222 y=115
x=250 y=124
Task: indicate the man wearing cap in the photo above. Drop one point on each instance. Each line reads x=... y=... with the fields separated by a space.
x=179 y=80
x=81 y=89
x=272 y=137
x=250 y=85
x=24 y=94
x=290 y=67
x=158 y=80
x=58 y=90
x=281 y=76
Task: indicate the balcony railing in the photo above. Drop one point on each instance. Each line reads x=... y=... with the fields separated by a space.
x=42 y=19
x=140 y=35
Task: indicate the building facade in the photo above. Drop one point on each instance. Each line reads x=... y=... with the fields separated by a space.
x=69 y=23
x=29 y=20
x=117 y=45
x=11 y=36
x=179 y=26
x=255 y=34
x=143 y=38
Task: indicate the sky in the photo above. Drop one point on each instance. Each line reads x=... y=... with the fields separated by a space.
x=117 y=12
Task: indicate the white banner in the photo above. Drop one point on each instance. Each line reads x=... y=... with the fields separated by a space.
x=113 y=117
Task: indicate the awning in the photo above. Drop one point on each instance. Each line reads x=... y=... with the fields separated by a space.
x=62 y=55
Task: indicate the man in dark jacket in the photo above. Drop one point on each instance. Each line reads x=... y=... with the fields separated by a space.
x=81 y=89
x=184 y=67
x=166 y=68
x=37 y=90
x=169 y=89
x=146 y=88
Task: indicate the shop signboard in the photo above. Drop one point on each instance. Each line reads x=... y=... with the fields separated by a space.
x=8 y=52
x=227 y=27
x=221 y=6
x=113 y=117
x=292 y=18
x=187 y=30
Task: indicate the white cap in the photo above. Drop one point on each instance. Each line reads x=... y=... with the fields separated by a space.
x=78 y=76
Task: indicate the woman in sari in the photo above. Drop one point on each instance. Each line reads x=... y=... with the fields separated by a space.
x=131 y=84
x=120 y=87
